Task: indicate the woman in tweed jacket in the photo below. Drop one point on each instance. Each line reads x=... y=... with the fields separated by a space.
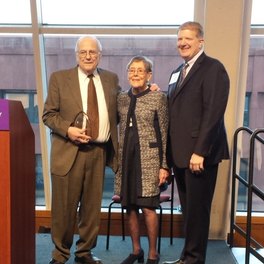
x=143 y=126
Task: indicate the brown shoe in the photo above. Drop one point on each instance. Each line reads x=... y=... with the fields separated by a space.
x=88 y=259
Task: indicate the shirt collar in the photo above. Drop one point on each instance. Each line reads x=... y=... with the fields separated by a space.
x=83 y=75
x=193 y=60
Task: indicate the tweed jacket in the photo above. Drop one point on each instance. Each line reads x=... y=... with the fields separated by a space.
x=63 y=103
x=151 y=108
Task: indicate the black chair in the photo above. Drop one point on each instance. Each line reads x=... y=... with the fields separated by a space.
x=115 y=200
x=163 y=198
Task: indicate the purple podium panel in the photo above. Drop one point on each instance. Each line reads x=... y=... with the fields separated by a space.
x=4 y=114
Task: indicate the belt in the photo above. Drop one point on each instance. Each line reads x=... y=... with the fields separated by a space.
x=91 y=145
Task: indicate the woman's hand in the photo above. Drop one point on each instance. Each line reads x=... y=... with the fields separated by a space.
x=163 y=175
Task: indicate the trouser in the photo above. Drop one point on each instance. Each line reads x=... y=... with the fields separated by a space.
x=77 y=196
x=196 y=193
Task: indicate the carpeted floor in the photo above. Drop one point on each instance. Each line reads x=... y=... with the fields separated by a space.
x=218 y=252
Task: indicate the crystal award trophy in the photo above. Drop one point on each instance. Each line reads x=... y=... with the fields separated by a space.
x=82 y=121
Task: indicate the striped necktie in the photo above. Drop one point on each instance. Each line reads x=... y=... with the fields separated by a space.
x=183 y=73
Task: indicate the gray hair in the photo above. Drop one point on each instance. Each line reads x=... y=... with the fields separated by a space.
x=146 y=61
x=99 y=45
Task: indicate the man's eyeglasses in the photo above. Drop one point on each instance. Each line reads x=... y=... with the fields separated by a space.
x=138 y=71
x=84 y=53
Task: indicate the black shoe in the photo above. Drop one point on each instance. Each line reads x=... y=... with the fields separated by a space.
x=88 y=259
x=153 y=261
x=178 y=261
x=54 y=261
x=133 y=257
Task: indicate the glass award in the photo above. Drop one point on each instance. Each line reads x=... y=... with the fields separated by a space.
x=82 y=121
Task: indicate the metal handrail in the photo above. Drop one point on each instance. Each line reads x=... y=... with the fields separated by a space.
x=252 y=188
x=235 y=176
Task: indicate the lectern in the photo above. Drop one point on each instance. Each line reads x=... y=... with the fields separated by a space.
x=17 y=185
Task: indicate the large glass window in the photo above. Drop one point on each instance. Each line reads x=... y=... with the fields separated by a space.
x=18 y=80
x=257 y=12
x=253 y=112
x=117 y=51
x=15 y=12
x=18 y=83
x=253 y=118
x=22 y=54
x=123 y=13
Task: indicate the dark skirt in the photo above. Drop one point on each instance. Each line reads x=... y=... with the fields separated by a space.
x=131 y=189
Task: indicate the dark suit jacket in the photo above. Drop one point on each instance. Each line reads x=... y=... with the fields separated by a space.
x=63 y=103
x=196 y=113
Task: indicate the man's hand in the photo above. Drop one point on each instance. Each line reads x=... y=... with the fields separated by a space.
x=78 y=135
x=154 y=87
x=196 y=163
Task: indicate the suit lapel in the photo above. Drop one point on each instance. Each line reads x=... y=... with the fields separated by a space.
x=173 y=83
x=105 y=84
x=192 y=71
x=73 y=87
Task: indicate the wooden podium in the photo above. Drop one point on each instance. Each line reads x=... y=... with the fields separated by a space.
x=17 y=185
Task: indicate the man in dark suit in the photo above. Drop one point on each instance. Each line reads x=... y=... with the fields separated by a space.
x=77 y=160
x=197 y=97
